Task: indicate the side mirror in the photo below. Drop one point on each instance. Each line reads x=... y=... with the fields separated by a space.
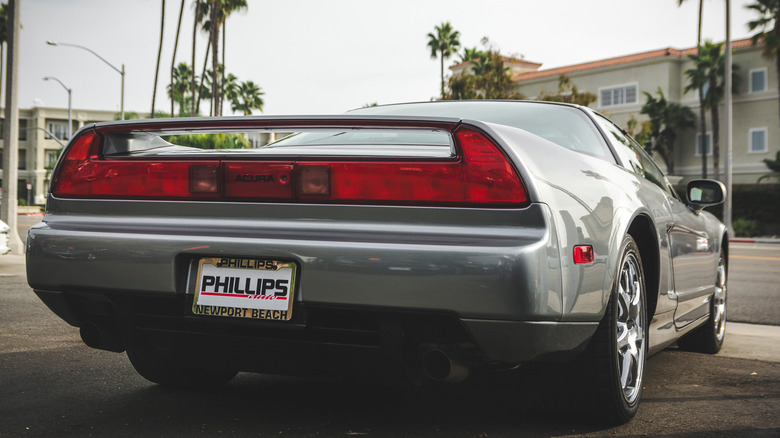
x=704 y=193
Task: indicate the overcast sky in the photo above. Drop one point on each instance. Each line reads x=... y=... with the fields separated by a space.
x=317 y=56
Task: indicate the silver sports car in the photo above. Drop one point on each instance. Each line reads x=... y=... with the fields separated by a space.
x=429 y=241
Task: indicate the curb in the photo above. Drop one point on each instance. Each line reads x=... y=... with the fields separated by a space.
x=756 y=240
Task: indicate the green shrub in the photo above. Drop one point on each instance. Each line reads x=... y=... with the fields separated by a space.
x=745 y=228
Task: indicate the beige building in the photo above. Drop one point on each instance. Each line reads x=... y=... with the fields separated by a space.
x=38 y=150
x=620 y=84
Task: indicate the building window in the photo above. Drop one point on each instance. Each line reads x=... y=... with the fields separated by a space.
x=757 y=141
x=757 y=79
x=22 y=159
x=614 y=96
x=22 y=129
x=59 y=129
x=709 y=144
x=51 y=159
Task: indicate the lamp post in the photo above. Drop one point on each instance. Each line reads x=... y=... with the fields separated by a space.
x=729 y=115
x=70 y=111
x=120 y=71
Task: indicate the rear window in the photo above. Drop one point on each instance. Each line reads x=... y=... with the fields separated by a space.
x=373 y=142
x=563 y=125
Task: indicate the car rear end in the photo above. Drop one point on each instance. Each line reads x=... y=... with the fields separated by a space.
x=412 y=243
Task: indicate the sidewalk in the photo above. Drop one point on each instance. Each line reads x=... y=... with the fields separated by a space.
x=752 y=341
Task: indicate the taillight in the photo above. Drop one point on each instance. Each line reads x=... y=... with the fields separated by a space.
x=481 y=177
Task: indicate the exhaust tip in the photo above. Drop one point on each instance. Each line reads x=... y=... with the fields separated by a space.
x=441 y=367
x=101 y=338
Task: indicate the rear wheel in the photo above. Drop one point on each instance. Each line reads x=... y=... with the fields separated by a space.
x=620 y=344
x=709 y=337
x=163 y=367
x=606 y=380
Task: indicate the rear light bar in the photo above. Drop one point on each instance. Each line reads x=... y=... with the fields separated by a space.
x=481 y=177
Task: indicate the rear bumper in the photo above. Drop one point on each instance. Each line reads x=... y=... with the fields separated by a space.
x=167 y=322
x=494 y=275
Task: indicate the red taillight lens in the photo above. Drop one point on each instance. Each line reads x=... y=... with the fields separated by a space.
x=488 y=175
x=482 y=177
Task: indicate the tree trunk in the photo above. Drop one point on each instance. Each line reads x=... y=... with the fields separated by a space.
x=203 y=76
x=441 y=52
x=159 y=55
x=2 y=58
x=222 y=78
x=194 y=38
x=215 y=97
x=173 y=58
x=715 y=140
x=703 y=122
x=670 y=157
x=777 y=62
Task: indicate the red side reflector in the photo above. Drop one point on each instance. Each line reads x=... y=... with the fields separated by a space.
x=583 y=254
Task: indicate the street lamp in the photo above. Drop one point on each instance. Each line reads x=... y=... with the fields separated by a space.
x=70 y=113
x=121 y=72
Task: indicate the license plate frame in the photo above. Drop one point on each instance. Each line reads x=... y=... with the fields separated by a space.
x=244 y=287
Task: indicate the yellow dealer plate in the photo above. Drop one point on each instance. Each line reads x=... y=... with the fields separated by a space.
x=244 y=288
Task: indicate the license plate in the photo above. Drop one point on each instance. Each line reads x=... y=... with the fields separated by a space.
x=244 y=288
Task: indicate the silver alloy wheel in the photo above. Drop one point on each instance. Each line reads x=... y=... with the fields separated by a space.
x=630 y=328
x=719 y=302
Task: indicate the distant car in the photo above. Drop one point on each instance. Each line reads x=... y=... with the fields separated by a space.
x=4 y=230
x=428 y=240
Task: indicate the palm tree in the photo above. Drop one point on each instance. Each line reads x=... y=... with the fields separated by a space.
x=229 y=85
x=218 y=11
x=179 y=89
x=443 y=44
x=159 y=55
x=709 y=71
x=769 y=14
x=247 y=98
x=667 y=119
x=175 y=48
x=198 y=20
x=470 y=54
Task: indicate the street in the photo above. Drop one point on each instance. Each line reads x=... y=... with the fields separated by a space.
x=53 y=385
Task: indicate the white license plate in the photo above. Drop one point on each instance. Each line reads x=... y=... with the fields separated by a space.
x=244 y=288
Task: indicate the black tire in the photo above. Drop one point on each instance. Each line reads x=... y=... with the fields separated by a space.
x=708 y=338
x=162 y=367
x=594 y=384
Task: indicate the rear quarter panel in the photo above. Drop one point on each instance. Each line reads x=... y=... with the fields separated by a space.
x=593 y=202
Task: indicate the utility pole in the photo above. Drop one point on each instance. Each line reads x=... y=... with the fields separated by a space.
x=11 y=131
x=729 y=116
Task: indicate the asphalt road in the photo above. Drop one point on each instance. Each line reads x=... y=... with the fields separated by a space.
x=51 y=385
x=754 y=283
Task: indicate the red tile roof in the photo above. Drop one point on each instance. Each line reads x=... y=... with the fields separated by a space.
x=644 y=56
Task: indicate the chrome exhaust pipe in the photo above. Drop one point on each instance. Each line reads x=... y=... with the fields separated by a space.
x=102 y=338
x=441 y=366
